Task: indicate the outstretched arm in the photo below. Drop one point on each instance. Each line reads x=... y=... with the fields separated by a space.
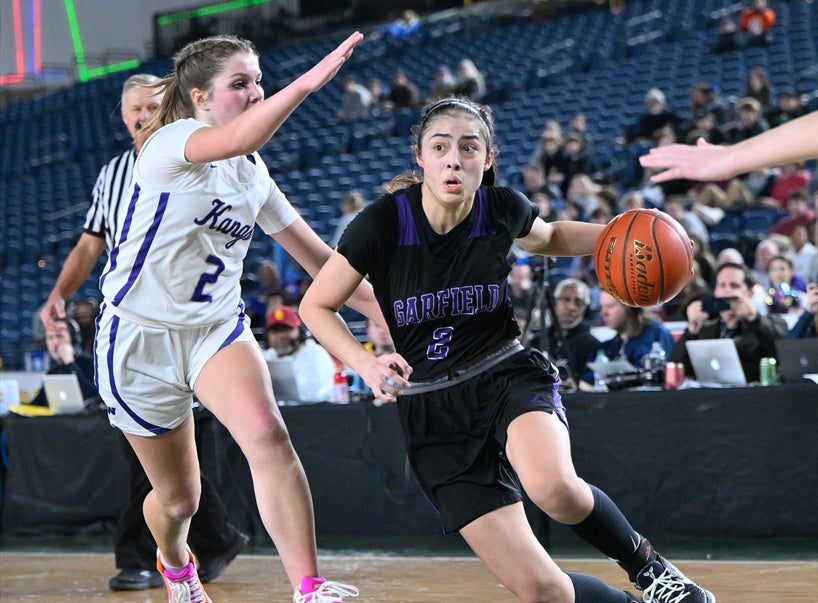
x=253 y=128
x=796 y=140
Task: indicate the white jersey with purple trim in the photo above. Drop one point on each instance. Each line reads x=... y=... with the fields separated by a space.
x=179 y=255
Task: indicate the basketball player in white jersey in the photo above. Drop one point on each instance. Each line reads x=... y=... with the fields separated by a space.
x=215 y=540
x=172 y=322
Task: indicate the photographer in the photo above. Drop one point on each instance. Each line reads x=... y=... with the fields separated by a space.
x=731 y=314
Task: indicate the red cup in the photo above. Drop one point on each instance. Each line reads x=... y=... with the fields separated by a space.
x=674 y=375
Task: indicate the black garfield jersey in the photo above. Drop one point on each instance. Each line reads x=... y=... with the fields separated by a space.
x=445 y=297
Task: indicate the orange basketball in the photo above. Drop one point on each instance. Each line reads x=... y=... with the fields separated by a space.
x=643 y=257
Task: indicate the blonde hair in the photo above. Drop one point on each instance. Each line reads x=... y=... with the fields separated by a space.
x=195 y=66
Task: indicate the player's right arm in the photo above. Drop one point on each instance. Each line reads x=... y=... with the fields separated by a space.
x=75 y=270
x=794 y=141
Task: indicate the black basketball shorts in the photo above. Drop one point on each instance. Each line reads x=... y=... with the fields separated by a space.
x=455 y=437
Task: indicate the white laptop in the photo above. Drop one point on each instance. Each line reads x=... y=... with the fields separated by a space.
x=716 y=362
x=63 y=394
x=285 y=385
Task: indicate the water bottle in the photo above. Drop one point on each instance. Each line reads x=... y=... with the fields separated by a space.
x=340 y=389
x=599 y=378
x=654 y=364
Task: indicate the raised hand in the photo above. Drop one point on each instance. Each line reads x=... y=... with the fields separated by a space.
x=327 y=67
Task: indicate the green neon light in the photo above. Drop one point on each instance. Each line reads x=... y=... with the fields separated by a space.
x=85 y=73
x=204 y=11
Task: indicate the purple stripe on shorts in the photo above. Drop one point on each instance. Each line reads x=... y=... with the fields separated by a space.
x=482 y=226
x=559 y=407
x=143 y=250
x=126 y=228
x=238 y=330
x=407 y=234
x=155 y=429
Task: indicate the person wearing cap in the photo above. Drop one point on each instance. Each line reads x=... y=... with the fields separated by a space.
x=790 y=106
x=313 y=366
x=656 y=116
x=749 y=121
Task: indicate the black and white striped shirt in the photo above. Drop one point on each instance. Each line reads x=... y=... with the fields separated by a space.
x=110 y=198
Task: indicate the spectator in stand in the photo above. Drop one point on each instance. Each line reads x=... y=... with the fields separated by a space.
x=756 y=21
x=314 y=367
x=443 y=84
x=765 y=250
x=790 y=106
x=471 y=82
x=656 y=116
x=355 y=102
x=636 y=330
x=787 y=292
x=807 y=323
x=759 y=87
x=676 y=207
x=792 y=177
x=544 y=202
x=519 y=286
x=704 y=96
x=577 y=159
x=403 y=93
x=266 y=282
x=804 y=254
x=704 y=258
x=533 y=180
x=753 y=333
x=748 y=123
x=583 y=190
x=730 y=37
x=703 y=125
x=799 y=213
x=64 y=345
x=84 y=312
x=572 y=298
x=377 y=93
x=552 y=159
x=578 y=124
x=729 y=255
x=407 y=23
x=351 y=203
x=632 y=200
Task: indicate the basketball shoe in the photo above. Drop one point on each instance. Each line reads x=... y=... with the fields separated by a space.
x=185 y=586
x=661 y=582
x=320 y=590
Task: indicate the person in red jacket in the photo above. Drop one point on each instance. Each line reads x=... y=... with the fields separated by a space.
x=756 y=21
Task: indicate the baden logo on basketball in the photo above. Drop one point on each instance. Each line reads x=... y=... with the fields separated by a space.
x=643 y=257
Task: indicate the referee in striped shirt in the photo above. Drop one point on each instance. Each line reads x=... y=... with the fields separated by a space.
x=215 y=541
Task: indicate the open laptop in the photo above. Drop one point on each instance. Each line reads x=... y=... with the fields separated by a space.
x=285 y=385
x=63 y=394
x=796 y=358
x=716 y=362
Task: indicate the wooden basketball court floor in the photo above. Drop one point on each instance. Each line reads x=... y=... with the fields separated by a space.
x=73 y=577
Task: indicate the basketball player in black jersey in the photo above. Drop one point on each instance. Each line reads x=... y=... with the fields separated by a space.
x=482 y=417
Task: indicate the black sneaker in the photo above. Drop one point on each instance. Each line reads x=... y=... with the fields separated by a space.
x=661 y=582
x=211 y=568
x=134 y=579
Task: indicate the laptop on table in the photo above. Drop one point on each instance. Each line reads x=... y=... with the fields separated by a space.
x=716 y=363
x=797 y=358
x=63 y=394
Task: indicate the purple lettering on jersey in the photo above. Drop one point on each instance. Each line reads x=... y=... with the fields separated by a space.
x=466 y=300
x=238 y=231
